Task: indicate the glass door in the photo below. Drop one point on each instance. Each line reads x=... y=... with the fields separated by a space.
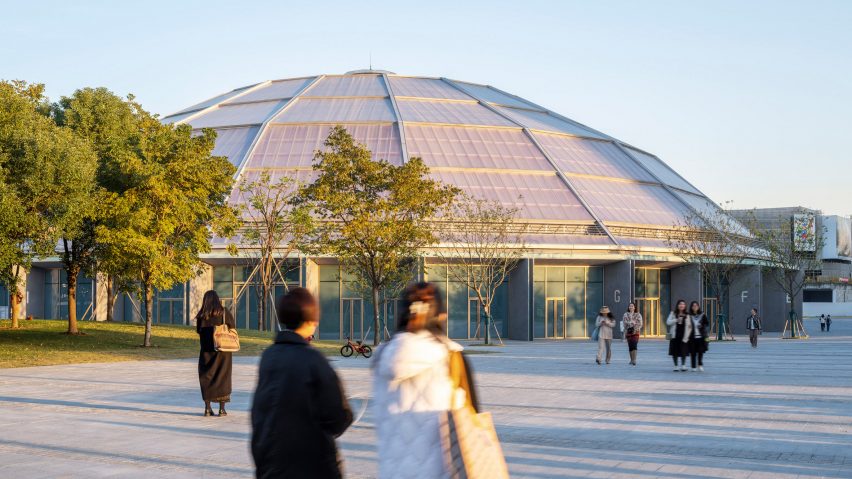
x=554 y=314
x=650 y=311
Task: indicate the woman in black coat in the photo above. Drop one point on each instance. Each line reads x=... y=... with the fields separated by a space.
x=698 y=336
x=214 y=367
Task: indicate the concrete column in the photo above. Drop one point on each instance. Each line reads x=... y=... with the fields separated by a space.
x=197 y=287
x=745 y=292
x=520 y=301
x=618 y=284
x=100 y=297
x=686 y=285
x=776 y=305
x=310 y=276
x=34 y=294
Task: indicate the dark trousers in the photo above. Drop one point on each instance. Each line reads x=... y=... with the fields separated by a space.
x=822 y=326
x=752 y=336
x=682 y=360
x=696 y=355
x=828 y=326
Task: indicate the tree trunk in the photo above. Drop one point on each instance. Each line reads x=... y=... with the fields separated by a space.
x=261 y=313
x=15 y=300
x=72 y=300
x=149 y=311
x=376 y=333
x=110 y=299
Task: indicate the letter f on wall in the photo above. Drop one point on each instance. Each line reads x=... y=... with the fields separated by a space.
x=743 y=296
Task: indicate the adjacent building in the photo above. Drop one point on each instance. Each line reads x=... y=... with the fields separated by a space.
x=599 y=209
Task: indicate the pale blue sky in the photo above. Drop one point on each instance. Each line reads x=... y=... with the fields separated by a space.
x=750 y=100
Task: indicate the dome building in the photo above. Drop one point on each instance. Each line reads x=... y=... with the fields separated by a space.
x=599 y=210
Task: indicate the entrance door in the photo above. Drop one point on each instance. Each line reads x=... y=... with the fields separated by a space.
x=650 y=311
x=352 y=319
x=554 y=318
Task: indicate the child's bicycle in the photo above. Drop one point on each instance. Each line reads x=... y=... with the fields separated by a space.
x=356 y=347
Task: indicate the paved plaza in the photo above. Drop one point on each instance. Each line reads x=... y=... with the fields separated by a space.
x=783 y=410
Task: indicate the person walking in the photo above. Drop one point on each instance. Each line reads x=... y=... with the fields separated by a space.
x=632 y=321
x=753 y=326
x=828 y=324
x=605 y=322
x=412 y=388
x=680 y=328
x=214 y=367
x=299 y=406
x=822 y=322
x=698 y=337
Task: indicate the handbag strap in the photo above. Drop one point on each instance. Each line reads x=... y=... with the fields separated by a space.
x=460 y=378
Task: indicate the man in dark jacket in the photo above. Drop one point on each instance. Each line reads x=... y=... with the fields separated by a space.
x=299 y=407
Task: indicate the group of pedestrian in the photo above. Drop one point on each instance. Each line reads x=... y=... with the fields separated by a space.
x=299 y=408
x=631 y=329
x=688 y=328
x=825 y=323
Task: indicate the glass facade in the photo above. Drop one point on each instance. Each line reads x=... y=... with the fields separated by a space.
x=239 y=291
x=465 y=314
x=344 y=311
x=652 y=293
x=56 y=295
x=566 y=300
x=169 y=306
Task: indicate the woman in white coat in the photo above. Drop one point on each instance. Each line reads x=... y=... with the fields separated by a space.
x=412 y=388
x=680 y=327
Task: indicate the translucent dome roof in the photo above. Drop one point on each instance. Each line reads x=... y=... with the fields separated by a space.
x=576 y=185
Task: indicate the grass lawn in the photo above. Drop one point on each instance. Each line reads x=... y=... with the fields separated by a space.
x=42 y=343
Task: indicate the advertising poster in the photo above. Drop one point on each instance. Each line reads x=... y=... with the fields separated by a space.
x=804 y=232
x=844 y=237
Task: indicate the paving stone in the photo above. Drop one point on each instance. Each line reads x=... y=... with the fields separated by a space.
x=780 y=411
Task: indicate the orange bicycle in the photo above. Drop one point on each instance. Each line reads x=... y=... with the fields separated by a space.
x=357 y=347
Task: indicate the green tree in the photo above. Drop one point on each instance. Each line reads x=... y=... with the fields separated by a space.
x=170 y=197
x=374 y=216
x=273 y=228
x=108 y=124
x=46 y=174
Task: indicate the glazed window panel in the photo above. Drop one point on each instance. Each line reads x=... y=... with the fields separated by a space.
x=446 y=146
x=293 y=146
x=449 y=113
x=540 y=120
x=353 y=85
x=590 y=157
x=241 y=114
x=276 y=90
x=634 y=203
x=342 y=110
x=425 y=88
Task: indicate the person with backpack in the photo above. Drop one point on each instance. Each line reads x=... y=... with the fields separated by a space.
x=214 y=367
x=698 y=337
x=299 y=407
x=828 y=324
x=753 y=326
x=632 y=321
